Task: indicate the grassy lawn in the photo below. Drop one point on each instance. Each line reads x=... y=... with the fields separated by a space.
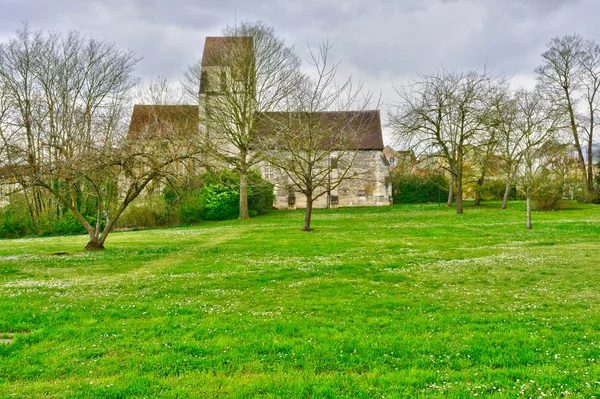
x=404 y=301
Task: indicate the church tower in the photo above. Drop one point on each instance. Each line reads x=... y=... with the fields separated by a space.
x=227 y=80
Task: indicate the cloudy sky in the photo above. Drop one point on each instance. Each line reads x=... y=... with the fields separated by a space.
x=381 y=42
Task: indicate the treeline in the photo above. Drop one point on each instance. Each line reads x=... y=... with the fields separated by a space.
x=208 y=196
x=474 y=124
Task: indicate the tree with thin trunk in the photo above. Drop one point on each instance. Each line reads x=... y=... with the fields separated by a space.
x=315 y=144
x=67 y=131
x=570 y=78
x=484 y=159
x=537 y=129
x=450 y=199
x=248 y=71
x=509 y=140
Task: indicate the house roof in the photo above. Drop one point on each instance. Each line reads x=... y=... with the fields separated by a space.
x=389 y=152
x=218 y=51
x=164 y=120
x=360 y=130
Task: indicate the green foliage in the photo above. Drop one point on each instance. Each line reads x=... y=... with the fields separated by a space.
x=210 y=196
x=549 y=194
x=219 y=202
x=494 y=190
x=215 y=196
x=407 y=301
x=67 y=225
x=260 y=195
x=190 y=206
x=142 y=215
x=15 y=222
x=418 y=189
x=596 y=199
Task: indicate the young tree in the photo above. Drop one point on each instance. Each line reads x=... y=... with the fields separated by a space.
x=569 y=77
x=483 y=157
x=537 y=128
x=248 y=71
x=509 y=140
x=66 y=135
x=315 y=144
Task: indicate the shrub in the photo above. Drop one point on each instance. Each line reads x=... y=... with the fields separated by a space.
x=215 y=196
x=15 y=222
x=419 y=189
x=219 y=203
x=140 y=216
x=260 y=195
x=190 y=207
x=548 y=196
x=67 y=224
x=494 y=190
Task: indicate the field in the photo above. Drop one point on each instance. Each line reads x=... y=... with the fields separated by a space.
x=406 y=301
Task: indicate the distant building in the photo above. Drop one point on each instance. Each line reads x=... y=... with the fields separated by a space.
x=402 y=160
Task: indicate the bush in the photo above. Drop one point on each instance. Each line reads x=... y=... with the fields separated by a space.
x=190 y=207
x=260 y=195
x=15 y=222
x=548 y=196
x=66 y=225
x=140 y=216
x=219 y=203
x=494 y=190
x=419 y=189
x=215 y=196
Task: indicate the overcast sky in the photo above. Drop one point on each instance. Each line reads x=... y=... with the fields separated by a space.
x=380 y=42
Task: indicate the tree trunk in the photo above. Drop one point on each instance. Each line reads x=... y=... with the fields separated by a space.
x=506 y=194
x=244 y=195
x=308 y=213
x=480 y=183
x=581 y=161
x=459 y=194
x=450 y=191
x=529 y=213
x=94 y=244
x=590 y=166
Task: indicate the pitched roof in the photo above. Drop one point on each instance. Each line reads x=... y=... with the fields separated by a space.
x=218 y=51
x=360 y=130
x=389 y=152
x=164 y=120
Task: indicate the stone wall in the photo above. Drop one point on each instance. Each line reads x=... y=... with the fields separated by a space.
x=371 y=188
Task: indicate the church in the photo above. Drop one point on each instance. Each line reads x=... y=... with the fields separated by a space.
x=361 y=135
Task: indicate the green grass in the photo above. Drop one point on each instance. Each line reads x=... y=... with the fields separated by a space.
x=402 y=301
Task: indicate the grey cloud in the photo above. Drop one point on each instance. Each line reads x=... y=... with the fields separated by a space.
x=378 y=41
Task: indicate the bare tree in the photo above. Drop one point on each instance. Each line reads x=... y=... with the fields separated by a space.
x=591 y=87
x=483 y=156
x=250 y=70
x=315 y=145
x=66 y=134
x=537 y=128
x=510 y=142
x=445 y=115
x=160 y=91
x=570 y=78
